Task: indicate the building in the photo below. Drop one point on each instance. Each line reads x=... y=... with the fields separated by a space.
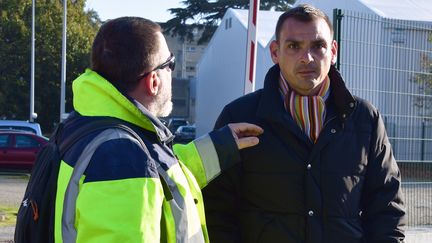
x=187 y=54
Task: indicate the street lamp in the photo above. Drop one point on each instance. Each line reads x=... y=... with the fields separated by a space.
x=63 y=62
x=33 y=115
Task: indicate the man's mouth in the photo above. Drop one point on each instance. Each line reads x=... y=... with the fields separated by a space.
x=306 y=71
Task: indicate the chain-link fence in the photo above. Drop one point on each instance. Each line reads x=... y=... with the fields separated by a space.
x=389 y=62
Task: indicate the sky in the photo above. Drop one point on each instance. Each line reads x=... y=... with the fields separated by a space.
x=155 y=10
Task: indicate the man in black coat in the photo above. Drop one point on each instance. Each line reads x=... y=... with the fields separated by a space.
x=324 y=169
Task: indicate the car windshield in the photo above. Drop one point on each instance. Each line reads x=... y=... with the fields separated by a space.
x=179 y=122
x=188 y=129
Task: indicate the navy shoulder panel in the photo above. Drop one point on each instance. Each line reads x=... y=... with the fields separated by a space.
x=119 y=159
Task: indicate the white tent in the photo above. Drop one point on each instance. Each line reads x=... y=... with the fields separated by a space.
x=415 y=10
x=221 y=70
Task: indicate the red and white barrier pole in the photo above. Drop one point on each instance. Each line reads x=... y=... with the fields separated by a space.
x=251 y=52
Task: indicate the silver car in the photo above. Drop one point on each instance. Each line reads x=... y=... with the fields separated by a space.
x=32 y=127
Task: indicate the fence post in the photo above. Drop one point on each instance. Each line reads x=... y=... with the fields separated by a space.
x=337 y=22
x=423 y=140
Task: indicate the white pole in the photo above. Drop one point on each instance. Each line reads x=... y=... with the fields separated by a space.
x=251 y=52
x=33 y=115
x=63 y=62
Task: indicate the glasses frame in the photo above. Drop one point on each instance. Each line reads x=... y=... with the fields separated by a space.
x=170 y=63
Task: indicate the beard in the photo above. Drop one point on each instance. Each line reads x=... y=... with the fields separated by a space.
x=163 y=104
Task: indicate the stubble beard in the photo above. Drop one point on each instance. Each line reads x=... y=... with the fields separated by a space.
x=163 y=103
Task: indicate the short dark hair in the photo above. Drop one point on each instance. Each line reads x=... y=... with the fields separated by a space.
x=303 y=13
x=123 y=49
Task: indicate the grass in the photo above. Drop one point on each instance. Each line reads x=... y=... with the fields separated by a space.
x=8 y=215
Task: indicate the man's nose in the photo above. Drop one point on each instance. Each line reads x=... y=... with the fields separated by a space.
x=306 y=57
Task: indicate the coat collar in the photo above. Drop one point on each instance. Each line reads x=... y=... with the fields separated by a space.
x=271 y=105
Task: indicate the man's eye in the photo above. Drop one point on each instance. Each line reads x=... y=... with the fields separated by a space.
x=320 y=45
x=292 y=46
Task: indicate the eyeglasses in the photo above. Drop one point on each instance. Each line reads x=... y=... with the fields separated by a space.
x=170 y=63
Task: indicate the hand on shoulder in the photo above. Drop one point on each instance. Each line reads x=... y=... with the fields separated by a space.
x=245 y=134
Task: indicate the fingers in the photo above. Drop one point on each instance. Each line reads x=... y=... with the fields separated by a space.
x=247 y=142
x=245 y=129
x=245 y=134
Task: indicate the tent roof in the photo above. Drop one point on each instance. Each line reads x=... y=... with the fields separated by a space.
x=266 y=23
x=417 y=10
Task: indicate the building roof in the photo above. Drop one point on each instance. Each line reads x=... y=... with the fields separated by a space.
x=417 y=10
x=266 y=23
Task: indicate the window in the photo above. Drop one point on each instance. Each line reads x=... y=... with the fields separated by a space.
x=190 y=68
x=23 y=141
x=4 y=139
x=228 y=23
x=398 y=36
x=190 y=48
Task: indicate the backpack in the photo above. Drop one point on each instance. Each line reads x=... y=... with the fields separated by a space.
x=35 y=218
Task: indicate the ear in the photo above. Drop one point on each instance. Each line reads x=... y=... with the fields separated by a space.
x=274 y=51
x=151 y=84
x=334 y=50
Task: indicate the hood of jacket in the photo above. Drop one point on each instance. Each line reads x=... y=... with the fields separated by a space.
x=93 y=95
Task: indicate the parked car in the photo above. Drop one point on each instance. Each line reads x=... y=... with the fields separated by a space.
x=185 y=134
x=32 y=127
x=165 y=122
x=174 y=123
x=18 y=149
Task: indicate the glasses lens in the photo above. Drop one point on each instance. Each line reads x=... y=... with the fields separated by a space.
x=171 y=64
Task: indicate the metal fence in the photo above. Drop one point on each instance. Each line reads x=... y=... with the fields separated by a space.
x=389 y=62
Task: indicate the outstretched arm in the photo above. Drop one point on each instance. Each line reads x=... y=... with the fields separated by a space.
x=209 y=155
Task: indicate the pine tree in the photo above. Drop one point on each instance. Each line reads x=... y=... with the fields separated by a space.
x=206 y=15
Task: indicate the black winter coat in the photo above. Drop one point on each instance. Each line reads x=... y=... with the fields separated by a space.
x=345 y=188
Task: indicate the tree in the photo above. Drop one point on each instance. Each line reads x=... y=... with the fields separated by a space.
x=15 y=33
x=424 y=81
x=205 y=16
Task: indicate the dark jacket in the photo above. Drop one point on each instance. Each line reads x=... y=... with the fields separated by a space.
x=344 y=188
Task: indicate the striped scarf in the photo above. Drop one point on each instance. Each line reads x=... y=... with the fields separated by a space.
x=308 y=111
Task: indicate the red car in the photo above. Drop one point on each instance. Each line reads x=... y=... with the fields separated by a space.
x=18 y=149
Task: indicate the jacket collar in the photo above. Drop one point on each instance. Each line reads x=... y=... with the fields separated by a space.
x=95 y=96
x=271 y=105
